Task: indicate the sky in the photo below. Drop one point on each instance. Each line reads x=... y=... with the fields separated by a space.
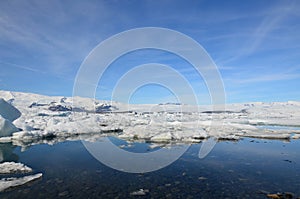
x=254 y=44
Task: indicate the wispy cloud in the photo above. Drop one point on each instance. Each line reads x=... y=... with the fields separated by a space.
x=256 y=77
x=22 y=67
x=271 y=20
x=269 y=77
x=48 y=33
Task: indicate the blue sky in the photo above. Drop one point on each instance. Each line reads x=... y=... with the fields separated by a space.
x=255 y=44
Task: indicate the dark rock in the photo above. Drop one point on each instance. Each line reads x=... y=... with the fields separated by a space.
x=49 y=137
x=35 y=104
x=275 y=196
x=288 y=195
x=216 y=112
x=62 y=100
x=59 y=108
x=289 y=161
x=43 y=114
x=104 y=108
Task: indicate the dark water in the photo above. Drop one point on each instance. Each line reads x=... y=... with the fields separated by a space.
x=240 y=169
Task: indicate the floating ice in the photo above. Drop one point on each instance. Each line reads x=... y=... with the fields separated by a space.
x=13 y=167
x=6 y=183
x=48 y=119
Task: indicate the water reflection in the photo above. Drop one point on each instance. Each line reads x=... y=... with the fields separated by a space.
x=249 y=168
x=7 y=153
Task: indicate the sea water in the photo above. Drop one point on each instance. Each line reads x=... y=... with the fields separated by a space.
x=248 y=168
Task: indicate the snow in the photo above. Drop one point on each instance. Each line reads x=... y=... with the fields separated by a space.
x=12 y=167
x=6 y=183
x=46 y=119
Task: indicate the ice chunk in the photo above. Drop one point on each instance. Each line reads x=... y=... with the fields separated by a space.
x=6 y=127
x=8 y=112
x=162 y=137
x=12 y=167
x=6 y=183
x=140 y=192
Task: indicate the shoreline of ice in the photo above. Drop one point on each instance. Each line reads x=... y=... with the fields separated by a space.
x=46 y=118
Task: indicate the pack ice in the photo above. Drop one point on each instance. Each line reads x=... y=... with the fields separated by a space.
x=48 y=119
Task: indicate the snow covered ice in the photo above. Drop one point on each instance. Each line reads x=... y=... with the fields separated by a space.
x=46 y=119
x=13 y=167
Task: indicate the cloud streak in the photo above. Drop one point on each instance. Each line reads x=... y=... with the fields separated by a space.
x=273 y=19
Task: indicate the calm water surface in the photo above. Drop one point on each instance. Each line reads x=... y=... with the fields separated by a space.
x=240 y=169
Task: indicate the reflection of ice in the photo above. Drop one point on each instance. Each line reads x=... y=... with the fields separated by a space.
x=6 y=152
x=111 y=155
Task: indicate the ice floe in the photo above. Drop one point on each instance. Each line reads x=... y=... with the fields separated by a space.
x=47 y=119
x=13 y=167
x=6 y=183
x=7 y=168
